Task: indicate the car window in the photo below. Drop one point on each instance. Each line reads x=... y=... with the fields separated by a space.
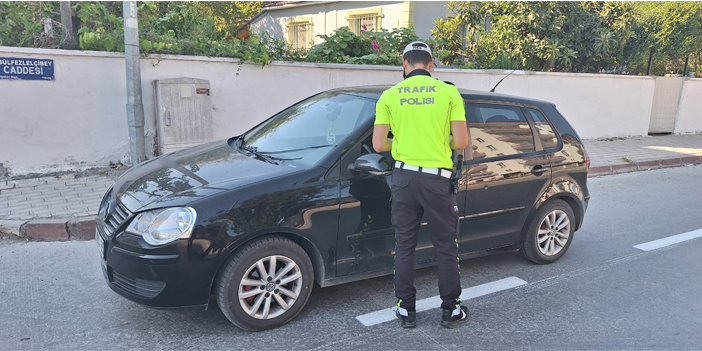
x=307 y=131
x=546 y=134
x=497 y=130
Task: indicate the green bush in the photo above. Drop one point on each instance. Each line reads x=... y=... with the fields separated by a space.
x=341 y=44
x=504 y=61
x=21 y=21
x=185 y=28
x=583 y=36
x=374 y=48
x=588 y=36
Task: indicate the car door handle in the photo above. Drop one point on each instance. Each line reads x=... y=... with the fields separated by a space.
x=538 y=169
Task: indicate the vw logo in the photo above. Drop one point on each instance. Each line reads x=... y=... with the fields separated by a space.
x=270 y=286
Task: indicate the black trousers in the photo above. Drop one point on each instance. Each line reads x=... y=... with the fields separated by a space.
x=414 y=195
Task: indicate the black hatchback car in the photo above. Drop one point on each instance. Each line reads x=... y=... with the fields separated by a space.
x=257 y=219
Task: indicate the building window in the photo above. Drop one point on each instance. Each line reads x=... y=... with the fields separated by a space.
x=492 y=148
x=300 y=33
x=480 y=140
x=367 y=20
x=502 y=165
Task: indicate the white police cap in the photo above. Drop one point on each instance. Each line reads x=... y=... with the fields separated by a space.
x=417 y=46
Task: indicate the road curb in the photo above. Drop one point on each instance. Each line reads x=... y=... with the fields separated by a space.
x=51 y=229
x=82 y=228
x=16 y=228
x=643 y=166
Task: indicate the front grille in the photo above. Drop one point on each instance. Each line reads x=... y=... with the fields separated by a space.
x=146 y=289
x=117 y=215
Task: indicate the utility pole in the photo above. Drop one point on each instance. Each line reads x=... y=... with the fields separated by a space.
x=135 y=108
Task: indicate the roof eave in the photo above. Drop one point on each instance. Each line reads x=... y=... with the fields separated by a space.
x=301 y=3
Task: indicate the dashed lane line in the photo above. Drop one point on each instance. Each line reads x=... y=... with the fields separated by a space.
x=388 y=314
x=671 y=240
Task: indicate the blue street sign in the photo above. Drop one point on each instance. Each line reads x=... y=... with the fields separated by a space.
x=26 y=68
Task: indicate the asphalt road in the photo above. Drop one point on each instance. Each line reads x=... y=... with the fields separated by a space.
x=603 y=294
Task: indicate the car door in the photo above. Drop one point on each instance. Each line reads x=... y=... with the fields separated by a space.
x=504 y=177
x=366 y=238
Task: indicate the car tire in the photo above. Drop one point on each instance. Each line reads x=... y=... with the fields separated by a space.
x=254 y=297
x=549 y=233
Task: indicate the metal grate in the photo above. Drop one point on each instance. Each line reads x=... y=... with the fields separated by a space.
x=143 y=288
x=363 y=23
x=116 y=216
x=299 y=33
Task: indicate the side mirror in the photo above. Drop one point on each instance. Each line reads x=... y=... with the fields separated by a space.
x=371 y=164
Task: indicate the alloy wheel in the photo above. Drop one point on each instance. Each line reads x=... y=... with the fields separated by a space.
x=553 y=233
x=270 y=287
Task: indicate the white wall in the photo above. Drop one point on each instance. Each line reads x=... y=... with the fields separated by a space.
x=689 y=119
x=597 y=105
x=79 y=120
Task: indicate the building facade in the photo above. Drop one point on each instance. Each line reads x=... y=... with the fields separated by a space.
x=301 y=22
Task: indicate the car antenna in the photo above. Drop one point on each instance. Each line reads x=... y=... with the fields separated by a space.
x=498 y=83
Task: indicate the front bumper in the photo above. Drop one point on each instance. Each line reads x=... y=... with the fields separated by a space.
x=178 y=275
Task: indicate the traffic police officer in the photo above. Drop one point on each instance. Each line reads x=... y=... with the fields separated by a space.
x=427 y=119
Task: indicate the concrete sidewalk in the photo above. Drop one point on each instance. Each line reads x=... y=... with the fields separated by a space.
x=642 y=153
x=64 y=207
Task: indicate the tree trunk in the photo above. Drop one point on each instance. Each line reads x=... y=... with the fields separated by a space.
x=67 y=22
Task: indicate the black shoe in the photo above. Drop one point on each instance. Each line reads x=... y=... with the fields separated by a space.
x=408 y=321
x=451 y=320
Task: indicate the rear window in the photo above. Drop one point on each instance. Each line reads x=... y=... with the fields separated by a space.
x=498 y=130
x=546 y=134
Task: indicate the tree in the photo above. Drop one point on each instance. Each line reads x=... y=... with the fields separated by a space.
x=230 y=15
x=451 y=33
x=578 y=36
x=22 y=21
x=670 y=32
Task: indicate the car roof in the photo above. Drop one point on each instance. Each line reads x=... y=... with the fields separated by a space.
x=374 y=91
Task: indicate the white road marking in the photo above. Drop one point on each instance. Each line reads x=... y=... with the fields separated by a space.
x=388 y=314
x=671 y=240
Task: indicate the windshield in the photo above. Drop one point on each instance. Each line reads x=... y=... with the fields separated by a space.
x=306 y=132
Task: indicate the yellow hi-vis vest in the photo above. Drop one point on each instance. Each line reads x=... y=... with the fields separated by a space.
x=419 y=111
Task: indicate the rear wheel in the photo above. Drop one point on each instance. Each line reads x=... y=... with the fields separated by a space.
x=550 y=233
x=266 y=284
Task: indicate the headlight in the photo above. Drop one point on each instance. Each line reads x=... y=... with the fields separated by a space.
x=163 y=226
